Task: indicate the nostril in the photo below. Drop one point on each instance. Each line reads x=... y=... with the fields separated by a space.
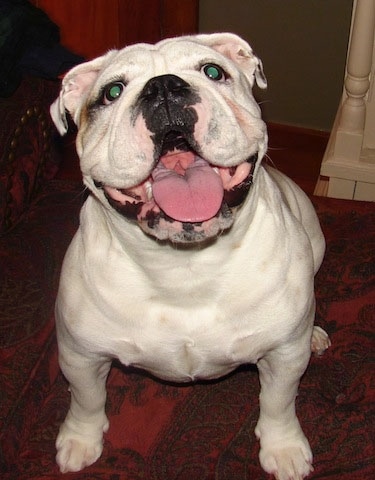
x=162 y=85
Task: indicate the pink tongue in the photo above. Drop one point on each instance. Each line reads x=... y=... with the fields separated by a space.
x=194 y=196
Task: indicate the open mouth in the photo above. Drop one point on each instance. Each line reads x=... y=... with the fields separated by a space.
x=184 y=193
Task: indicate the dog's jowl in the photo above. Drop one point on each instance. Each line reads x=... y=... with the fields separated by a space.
x=192 y=256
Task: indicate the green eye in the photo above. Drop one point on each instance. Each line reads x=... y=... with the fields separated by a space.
x=113 y=91
x=214 y=72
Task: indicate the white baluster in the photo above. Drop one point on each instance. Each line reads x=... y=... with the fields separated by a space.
x=353 y=111
x=348 y=166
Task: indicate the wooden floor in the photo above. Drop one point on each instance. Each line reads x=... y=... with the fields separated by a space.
x=295 y=151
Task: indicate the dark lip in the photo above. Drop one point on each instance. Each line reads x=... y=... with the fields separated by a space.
x=236 y=195
x=175 y=140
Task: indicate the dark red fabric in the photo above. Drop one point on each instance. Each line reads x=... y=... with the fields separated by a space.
x=202 y=431
x=27 y=155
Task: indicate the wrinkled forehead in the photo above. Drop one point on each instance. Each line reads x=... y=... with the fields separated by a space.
x=144 y=60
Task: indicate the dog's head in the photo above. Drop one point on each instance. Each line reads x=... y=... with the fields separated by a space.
x=169 y=135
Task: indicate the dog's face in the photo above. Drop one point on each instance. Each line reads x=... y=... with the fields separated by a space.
x=169 y=135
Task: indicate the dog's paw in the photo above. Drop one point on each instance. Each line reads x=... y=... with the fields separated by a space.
x=293 y=462
x=319 y=341
x=76 y=451
x=74 y=454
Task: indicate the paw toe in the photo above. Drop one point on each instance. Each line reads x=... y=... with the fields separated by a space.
x=293 y=463
x=319 y=341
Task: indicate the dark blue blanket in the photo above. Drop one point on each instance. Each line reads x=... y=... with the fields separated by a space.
x=29 y=44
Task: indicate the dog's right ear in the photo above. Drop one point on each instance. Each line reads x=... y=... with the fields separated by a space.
x=76 y=85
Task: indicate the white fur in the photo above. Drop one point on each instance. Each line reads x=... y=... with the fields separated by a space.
x=186 y=313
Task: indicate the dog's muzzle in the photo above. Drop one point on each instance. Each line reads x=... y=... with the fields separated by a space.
x=185 y=198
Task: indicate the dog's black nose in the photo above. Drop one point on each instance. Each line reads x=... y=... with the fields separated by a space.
x=165 y=103
x=165 y=88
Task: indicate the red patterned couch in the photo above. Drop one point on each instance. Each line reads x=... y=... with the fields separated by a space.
x=160 y=431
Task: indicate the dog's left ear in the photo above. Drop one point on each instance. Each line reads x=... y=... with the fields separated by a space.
x=75 y=87
x=240 y=52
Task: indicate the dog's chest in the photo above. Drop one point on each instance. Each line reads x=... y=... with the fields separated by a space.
x=187 y=344
x=188 y=323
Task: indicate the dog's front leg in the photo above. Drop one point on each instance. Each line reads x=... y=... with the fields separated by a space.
x=80 y=439
x=284 y=449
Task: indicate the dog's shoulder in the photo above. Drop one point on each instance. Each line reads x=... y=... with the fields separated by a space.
x=302 y=209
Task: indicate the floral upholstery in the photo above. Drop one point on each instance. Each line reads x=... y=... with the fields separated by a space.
x=27 y=155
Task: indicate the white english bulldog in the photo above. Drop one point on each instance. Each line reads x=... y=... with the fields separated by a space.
x=192 y=257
